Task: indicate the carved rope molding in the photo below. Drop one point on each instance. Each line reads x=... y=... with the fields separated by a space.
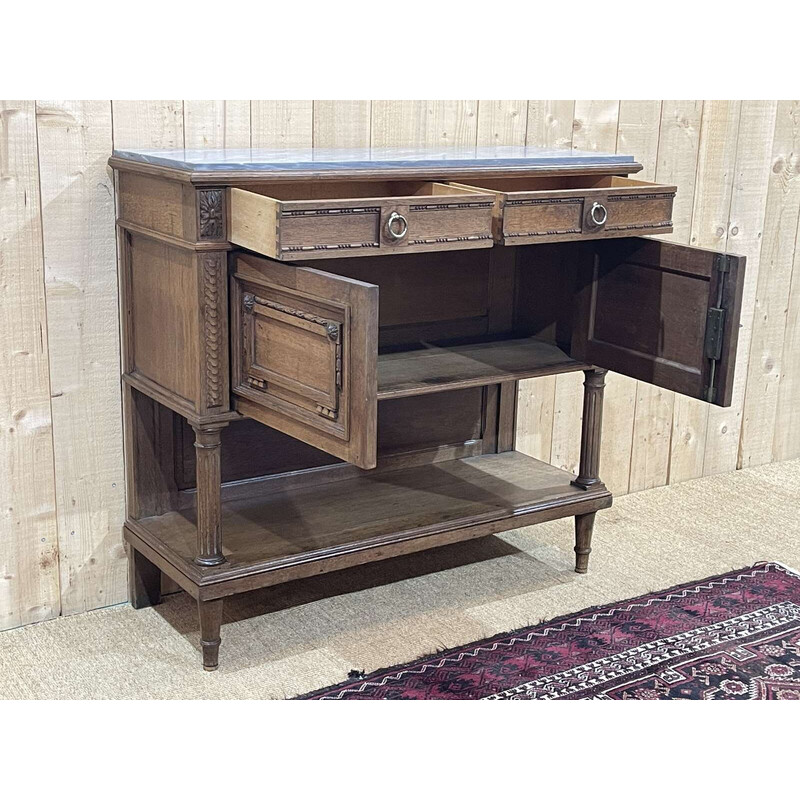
x=299 y=248
x=450 y=206
x=213 y=265
x=333 y=330
x=210 y=216
x=623 y=197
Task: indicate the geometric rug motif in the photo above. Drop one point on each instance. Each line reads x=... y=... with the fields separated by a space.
x=730 y=637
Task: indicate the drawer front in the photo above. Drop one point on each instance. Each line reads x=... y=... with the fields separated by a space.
x=594 y=214
x=305 y=229
x=304 y=355
x=624 y=207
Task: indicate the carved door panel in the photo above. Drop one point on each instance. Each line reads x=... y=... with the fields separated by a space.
x=662 y=313
x=305 y=349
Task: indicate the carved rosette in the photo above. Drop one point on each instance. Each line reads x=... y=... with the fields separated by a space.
x=210 y=214
x=213 y=272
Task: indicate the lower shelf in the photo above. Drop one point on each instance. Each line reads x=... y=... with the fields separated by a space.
x=289 y=534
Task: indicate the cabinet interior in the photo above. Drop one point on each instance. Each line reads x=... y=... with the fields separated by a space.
x=515 y=301
x=355 y=190
x=554 y=183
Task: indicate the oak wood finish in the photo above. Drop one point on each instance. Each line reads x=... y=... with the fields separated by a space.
x=144 y=580
x=275 y=537
x=305 y=355
x=589 y=470
x=209 y=478
x=645 y=307
x=369 y=405
x=210 y=613
x=307 y=221
x=443 y=368
x=533 y=210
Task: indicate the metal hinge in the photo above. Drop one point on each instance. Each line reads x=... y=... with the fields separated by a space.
x=715 y=325
x=722 y=262
x=715 y=321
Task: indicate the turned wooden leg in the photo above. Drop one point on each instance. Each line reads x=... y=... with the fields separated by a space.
x=588 y=472
x=210 y=613
x=584 y=525
x=593 y=385
x=144 y=580
x=209 y=478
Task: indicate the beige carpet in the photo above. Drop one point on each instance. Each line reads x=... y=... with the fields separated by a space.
x=297 y=637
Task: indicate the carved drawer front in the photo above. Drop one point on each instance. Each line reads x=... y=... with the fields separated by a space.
x=305 y=355
x=534 y=210
x=307 y=220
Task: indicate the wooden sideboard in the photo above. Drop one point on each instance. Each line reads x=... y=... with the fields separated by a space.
x=321 y=350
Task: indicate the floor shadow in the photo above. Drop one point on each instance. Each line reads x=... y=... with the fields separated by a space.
x=179 y=609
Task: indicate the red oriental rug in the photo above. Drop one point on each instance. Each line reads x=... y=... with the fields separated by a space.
x=732 y=637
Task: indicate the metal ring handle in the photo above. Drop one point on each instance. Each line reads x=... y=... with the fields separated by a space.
x=394 y=220
x=594 y=216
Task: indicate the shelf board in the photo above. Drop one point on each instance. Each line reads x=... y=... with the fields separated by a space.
x=282 y=535
x=438 y=369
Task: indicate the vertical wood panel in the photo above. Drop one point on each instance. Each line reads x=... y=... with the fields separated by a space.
x=676 y=164
x=550 y=123
x=502 y=122
x=281 y=123
x=424 y=123
x=216 y=123
x=154 y=124
x=712 y=204
x=766 y=357
x=638 y=133
x=678 y=152
x=745 y=234
x=786 y=442
x=81 y=288
x=342 y=123
x=29 y=589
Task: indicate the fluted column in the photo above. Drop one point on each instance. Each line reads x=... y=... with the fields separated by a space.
x=209 y=509
x=593 y=385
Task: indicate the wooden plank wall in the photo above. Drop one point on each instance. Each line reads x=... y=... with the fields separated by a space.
x=737 y=166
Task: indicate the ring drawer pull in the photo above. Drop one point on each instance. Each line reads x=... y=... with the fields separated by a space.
x=598 y=214
x=396 y=226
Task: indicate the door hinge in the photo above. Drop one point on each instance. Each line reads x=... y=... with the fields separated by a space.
x=722 y=262
x=715 y=326
x=715 y=323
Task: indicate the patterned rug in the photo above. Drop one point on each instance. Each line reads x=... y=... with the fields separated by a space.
x=731 y=637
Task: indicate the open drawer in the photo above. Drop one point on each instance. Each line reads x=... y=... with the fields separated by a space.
x=529 y=210
x=304 y=220
x=305 y=343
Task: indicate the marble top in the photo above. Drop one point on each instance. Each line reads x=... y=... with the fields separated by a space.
x=386 y=159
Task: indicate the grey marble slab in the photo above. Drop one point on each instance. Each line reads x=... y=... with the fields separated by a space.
x=387 y=159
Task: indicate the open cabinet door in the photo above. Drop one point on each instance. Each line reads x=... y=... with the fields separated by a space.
x=304 y=355
x=663 y=313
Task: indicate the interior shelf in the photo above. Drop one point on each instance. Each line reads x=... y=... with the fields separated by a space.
x=378 y=509
x=437 y=369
